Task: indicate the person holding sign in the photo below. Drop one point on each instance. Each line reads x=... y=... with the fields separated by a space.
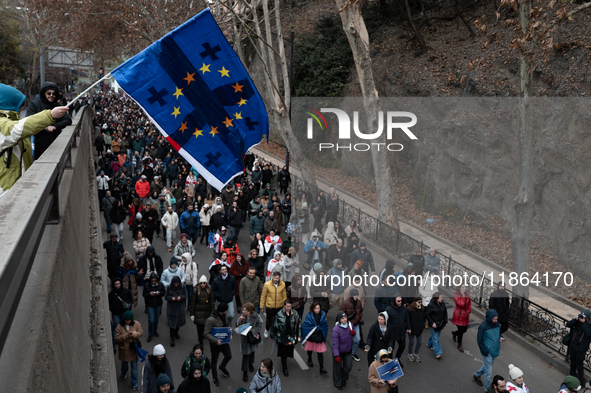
x=218 y=319
x=382 y=383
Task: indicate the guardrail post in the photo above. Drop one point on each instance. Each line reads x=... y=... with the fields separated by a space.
x=359 y=216
x=377 y=231
x=519 y=320
x=449 y=265
x=422 y=246
x=397 y=240
x=481 y=292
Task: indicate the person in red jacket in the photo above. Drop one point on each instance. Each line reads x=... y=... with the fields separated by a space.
x=239 y=270
x=142 y=188
x=461 y=317
x=232 y=250
x=133 y=210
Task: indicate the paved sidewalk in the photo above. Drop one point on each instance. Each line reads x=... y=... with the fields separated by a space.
x=545 y=298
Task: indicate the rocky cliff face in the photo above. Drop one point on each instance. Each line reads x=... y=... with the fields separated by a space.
x=468 y=166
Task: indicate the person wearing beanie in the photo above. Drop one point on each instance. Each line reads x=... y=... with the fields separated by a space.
x=172 y=271
x=343 y=335
x=489 y=341
x=516 y=384
x=579 y=344
x=320 y=288
x=120 y=300
x=353 y=309
x=127 y=335
x=362 y=253
x=570 y=385
x=128 y=273
x=15 y=144
x=157 y=372
x=185 y=245
x=218 y=319
x=202 y=305
x=176 y=298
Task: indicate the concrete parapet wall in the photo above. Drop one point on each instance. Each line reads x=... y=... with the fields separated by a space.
x=60 y=338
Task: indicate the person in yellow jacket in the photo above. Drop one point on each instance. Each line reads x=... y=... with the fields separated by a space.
x=273 y=297
x=15 y=145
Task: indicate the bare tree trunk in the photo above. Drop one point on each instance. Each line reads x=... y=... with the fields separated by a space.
x=237 y=38
x=418 y=34
x=356 y=31
x=525 y=198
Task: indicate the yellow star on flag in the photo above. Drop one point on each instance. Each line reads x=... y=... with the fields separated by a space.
x=205 y=68
x=189 y=78
x=198 y=133
x=178 y=92
x=228 y=122
x=224 y=72
x=238 y=115
x=183 y=127
x=237 y=87
x=214 y=130
x=177 y=111
x=242 y=102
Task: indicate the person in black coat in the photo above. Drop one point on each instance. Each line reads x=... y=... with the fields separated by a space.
x=149 y=263
x=399 y=322
x=437 y=318
x=149 y=216
x=417 y=317
x=153 y=293
x=48 y=98
x=499 y=301
x=379 y=337
x=284 y=180
x=579 y=343
x=115 y=252
x=118 y=215
x=195 y=382
x=418 y=261
x=258 y=263
x=224 y=288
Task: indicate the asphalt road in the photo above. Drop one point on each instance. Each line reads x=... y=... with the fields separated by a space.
x=452 y=373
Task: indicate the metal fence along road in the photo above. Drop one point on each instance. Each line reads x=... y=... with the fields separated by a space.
x=526 y=317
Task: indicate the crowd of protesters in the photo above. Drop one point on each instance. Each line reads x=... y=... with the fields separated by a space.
x=147 y=190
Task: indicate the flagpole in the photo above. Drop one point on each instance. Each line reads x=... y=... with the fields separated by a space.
x=108 y=76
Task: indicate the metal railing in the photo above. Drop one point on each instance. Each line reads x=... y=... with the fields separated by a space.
x=25 y=210
x=526 y=317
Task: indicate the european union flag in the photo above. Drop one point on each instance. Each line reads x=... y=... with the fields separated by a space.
x=196 y=91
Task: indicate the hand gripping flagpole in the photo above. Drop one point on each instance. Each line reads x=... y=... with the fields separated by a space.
x=108 y=76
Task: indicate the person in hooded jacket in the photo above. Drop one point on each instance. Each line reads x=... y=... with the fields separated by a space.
x=417 y=317
x=196 y=357
x=570 y=385
x=489 y=341
x=343 y=335
x=258 y=262
x=191 y=270
x=224 y=288
x=128 y=273
x=377 y=384
x=389 y=270
x=499 y=301
x=202 y=305
x=118 y=215
x=176 y=298
x=156 y=367
x=153 y=293
x=120 y=300
x=150 y=263
x=195 y=382
x=184 y=245
x=47 y=99
x=380 y=337
x=127 y=335
x=266 y=379
x=172 y=271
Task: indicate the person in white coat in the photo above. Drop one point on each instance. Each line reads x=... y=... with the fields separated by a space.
x=427 y=289
x=191 y=270
x=290 y=262
x=170 y=221
x=330 y=236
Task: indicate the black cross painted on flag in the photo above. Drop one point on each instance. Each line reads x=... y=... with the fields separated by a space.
x=157 y=96
x=250 y=124
x=213 y=159
x=209 y=51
